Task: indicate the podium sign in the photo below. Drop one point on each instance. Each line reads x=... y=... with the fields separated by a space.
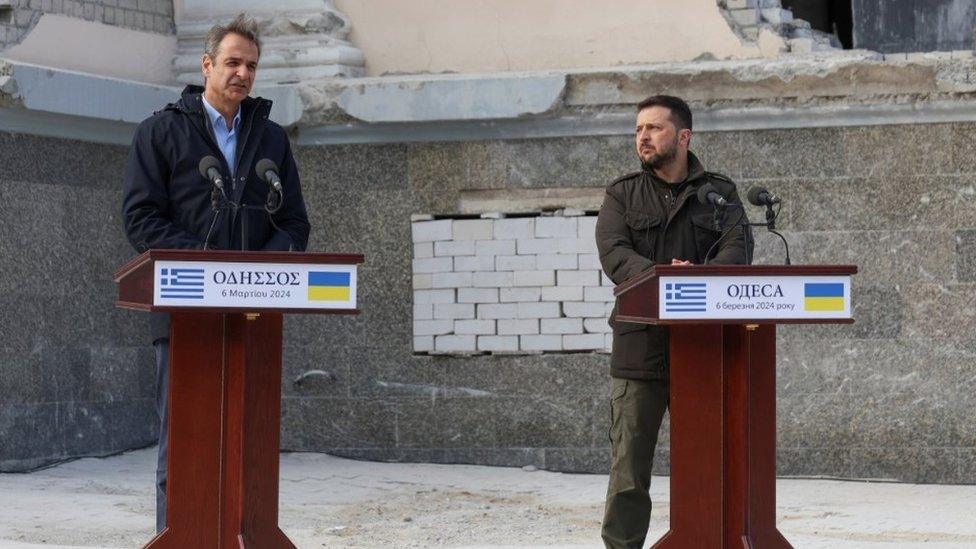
x=254 y=285
x=761 y=297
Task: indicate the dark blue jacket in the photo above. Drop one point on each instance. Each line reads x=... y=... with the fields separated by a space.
x=167 y=203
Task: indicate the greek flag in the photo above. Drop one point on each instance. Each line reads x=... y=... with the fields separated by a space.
x=685 y=297
x=181 y=283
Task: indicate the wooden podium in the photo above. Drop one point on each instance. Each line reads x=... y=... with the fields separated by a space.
x=723 y=387
x=225 y=380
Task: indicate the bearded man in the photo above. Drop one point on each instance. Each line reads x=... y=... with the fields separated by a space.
x=652 y=217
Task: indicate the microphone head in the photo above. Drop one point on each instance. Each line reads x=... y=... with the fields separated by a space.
x=206 y=163
x=755 y=195
x=264 y=166
x=703 y=192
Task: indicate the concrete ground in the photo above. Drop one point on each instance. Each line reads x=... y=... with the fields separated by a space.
x=333 y=502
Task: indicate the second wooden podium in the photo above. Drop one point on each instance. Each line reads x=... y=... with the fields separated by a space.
x=225 y=380
x=723 y=387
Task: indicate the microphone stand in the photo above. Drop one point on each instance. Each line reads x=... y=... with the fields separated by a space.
x=770 y=225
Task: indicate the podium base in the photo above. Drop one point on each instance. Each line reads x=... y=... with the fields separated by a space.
x=723 y=438
x=225 y=415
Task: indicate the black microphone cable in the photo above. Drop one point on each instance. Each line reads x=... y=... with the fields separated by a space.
x=738 y=221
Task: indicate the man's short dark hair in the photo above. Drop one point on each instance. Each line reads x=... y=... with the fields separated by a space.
x=680 y=112
x=242 y=25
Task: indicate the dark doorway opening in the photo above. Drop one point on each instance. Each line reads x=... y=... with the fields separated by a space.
x=830 y=16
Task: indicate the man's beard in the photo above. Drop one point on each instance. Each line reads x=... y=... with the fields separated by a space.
x=660 y=159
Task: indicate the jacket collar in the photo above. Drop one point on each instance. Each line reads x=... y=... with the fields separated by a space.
x=191 y=102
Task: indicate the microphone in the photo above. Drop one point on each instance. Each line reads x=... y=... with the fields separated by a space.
x=707 y=194
x=267 y=170
x=210 y=170
x=759 y=196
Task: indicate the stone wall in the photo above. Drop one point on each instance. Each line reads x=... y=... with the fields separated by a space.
x=888 y=397
x=891 y=396
x=145 y=15
x=76 y=374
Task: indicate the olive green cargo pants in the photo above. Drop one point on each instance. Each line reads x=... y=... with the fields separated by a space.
x=636 y=408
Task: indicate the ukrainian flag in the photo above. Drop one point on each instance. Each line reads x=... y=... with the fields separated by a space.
x=823 y=296
x=328 y=286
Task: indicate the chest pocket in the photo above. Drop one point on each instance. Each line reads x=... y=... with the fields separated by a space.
x=705 y=234
x=644 y=232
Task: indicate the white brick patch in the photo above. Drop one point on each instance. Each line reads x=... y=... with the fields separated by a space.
x=432 y=327
x=454 y=247
x=496 y=284
x=574 y=309
x=429 y=231
x=561 y=325
x=562 y=293
x=587 y=227
x=494 y=247
x=473 y=229
x=512 y=295
x=589 y=262
x=474 y=263
x=598 y=293
x=576 y=245
x=515 y=262
x=498 y=343
x=453 y=311
x=557 y=261
x=434 y=296
x=492 y=280
x=423 y=281
x=555 y=227
x=596 y=326
x=541 y=342
x=528 y=326
x=423 y=344
x=433 y=265
x=584 y=342
x=422 y=250
x=423 y=311
x=474 y=327
x=498 y=310
x=578 y=278
x=510 y=229
x=450 y=280
x=534 y=278
x=538 y=310
x=532 y=246
x=455 y=343
x=477 y=295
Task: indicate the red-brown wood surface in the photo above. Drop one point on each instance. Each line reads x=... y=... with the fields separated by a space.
x=225 y=407
x=723 y=439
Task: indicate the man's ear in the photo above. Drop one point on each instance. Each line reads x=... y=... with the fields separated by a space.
x=684 y=136
x=206 y=64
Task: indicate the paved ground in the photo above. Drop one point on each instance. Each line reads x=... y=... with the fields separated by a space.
x=332 y=502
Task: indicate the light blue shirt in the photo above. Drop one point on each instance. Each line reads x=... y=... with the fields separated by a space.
x=226 y=137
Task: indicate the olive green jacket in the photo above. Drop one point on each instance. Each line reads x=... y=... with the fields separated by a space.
x=635 y=232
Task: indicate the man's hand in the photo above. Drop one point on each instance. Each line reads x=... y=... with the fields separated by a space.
x=676 y=261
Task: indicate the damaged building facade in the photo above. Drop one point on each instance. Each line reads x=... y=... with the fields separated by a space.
x=464 y=151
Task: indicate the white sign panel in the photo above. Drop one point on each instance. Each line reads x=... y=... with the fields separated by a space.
x=254 y=285
x=760 y=297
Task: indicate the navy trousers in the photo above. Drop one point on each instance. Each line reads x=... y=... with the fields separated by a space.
x=162 y=409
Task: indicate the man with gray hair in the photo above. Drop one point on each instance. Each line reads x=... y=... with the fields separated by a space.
x=167 y=202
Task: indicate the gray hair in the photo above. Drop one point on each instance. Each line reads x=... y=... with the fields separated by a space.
x=242 y=25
